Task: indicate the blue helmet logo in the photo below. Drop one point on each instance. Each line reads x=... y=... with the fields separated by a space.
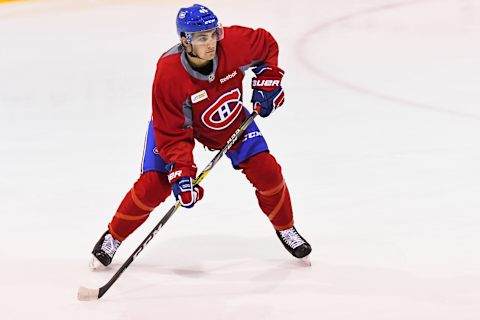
x=182 y=15
x=195 y=19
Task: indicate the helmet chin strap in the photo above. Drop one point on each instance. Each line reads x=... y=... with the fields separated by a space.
x=194 y=55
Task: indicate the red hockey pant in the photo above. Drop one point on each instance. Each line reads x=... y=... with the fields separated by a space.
x=152 y=188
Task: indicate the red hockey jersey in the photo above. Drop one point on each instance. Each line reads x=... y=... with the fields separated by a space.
x=188 y=105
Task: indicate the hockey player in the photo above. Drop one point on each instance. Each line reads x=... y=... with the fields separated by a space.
x=197 y=94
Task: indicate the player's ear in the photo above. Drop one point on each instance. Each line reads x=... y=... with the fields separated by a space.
x=185 y=43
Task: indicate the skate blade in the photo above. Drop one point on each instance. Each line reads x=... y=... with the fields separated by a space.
x=95 y=264
x=306 y=261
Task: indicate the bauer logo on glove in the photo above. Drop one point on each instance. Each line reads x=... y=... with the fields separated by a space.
x=265 y=83
x=268 y=93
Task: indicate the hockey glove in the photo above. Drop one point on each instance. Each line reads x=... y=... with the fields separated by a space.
x=183 y=188
x=267 y=90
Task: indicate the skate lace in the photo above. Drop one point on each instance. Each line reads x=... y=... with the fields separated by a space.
x=110 y=245
x=292 y=238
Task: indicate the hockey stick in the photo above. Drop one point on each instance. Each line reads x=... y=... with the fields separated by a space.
x=86 y=294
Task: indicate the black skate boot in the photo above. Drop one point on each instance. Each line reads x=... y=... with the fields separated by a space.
x=294 y=243
x=104 y=251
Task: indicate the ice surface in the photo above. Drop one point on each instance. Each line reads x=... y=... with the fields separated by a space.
x=378 y=140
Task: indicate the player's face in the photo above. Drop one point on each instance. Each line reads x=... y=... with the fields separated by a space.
x=205 y=43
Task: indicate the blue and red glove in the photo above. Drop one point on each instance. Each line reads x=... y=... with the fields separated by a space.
x=267 y=90
x=181 y=180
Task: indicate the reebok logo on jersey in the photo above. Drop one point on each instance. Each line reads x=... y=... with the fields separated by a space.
x=199 y=96
x=265 y=83
x=228 y=77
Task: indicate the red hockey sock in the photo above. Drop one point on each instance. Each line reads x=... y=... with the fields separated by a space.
x=151 y=189
x=265 y=174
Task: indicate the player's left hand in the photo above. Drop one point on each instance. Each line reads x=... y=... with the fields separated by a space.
x=267 y=90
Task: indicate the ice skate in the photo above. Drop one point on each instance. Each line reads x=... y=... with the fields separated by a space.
x=104 y=251
x=295 y=244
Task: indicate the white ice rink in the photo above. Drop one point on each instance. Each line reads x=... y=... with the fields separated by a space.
x=379 y=141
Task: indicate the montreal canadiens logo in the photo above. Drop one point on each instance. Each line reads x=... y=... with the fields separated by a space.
x=223 y=111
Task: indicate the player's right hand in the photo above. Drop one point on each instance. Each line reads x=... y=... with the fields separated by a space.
x=181 y=180
x=186 y=192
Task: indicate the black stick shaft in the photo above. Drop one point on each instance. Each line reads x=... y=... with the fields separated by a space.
x=238 y=133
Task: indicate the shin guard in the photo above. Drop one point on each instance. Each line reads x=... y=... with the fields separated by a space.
x=151 y=189
x=265 y=174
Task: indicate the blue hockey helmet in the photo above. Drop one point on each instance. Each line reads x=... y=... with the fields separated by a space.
x=196 y=18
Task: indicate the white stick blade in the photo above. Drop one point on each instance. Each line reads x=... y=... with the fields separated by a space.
x=86 y=294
